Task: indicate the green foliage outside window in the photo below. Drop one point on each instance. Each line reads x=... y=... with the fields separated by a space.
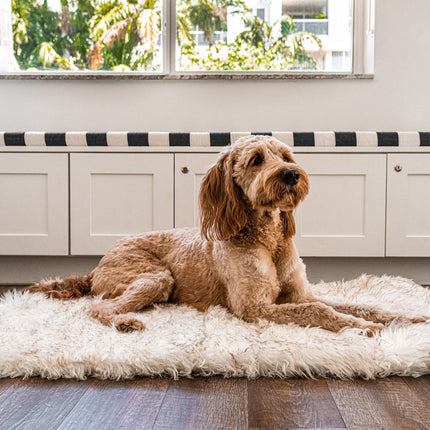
x=124 y=35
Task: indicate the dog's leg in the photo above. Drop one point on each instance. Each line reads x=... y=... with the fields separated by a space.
x=372 y=313
x=143 y=291
x=255 y=301
x=309 y=314
x=296 y=293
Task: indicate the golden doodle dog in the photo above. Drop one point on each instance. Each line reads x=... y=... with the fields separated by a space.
x=243 y=256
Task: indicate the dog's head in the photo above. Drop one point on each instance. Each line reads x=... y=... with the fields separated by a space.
x=257 y=172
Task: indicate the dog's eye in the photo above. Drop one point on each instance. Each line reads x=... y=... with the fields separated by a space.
x=286 y=159
x=257 y=160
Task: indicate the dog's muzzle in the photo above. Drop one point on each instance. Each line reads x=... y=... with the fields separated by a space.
x=290 y=176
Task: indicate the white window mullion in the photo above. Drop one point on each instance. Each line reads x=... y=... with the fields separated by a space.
x=169 y=36
x=364 y=37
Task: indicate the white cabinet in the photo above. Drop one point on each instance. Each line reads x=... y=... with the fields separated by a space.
x=344 y=213
x=189 y=172
x=408 y=205
x=115 y=195
x=347 y=212
x=34 y=204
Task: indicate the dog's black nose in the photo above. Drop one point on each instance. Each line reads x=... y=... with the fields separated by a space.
x=290 y=176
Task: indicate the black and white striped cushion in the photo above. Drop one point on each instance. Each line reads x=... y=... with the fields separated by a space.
x=202 y=139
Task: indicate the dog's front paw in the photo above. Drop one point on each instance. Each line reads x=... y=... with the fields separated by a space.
x=128 y=325
x=371 y=329
x=367 y=328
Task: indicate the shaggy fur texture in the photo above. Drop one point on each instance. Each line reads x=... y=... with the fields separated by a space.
x=243 y=258
x=54 y=338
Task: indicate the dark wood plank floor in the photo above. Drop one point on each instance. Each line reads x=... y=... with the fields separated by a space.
x=215 y=403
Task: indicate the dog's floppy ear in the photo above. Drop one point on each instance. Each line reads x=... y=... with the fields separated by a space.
x=288 y=223
x=222 y=209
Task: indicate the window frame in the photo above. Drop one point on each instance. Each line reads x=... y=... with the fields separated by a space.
x=362 y=57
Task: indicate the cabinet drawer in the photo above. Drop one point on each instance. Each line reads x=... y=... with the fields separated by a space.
x=34 y=204
x=115 y=195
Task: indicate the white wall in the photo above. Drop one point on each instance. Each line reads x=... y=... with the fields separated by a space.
x=398 y=98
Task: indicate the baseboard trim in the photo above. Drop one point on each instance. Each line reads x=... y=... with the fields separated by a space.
x=333 y=269
x=26 y=270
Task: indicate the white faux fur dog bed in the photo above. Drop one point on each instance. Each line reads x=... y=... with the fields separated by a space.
x=54 y=339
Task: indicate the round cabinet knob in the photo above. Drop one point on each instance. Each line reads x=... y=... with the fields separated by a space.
x=185 y=169
x=398 y=168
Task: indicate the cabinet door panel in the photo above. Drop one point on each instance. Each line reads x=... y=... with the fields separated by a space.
x=34 y=204
x=344 y=213
x=187 y=186
x=115 y=195
x=408 y=205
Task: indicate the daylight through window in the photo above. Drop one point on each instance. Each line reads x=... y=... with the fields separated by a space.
x=264 y=35
x=211 y=35
x=85 y=35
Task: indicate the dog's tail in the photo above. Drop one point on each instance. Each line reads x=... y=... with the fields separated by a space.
x=67 y=288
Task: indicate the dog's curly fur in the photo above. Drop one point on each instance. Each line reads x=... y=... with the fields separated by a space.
x=242 y=257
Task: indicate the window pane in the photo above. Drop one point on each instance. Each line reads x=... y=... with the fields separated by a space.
x=81 y=35
x=264 y=35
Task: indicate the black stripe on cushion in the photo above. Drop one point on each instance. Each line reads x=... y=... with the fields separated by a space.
x=96 y=139
x=220 y=139
x=55 y=139
x=261 y=133
x=424 y=138
x=137 y=139
x=304 y=139
x=387 y=139
x=345 y=138
x=14 y=139
x=179 y=139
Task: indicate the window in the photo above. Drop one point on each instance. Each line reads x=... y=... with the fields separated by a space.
x=86 y=35
x=264 y=35
x=186 y=36
x=261 y=13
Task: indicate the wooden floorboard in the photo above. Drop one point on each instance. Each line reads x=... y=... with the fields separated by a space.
x=204 y=403
x=291 y=404
x=381 y=404
x=420 y=387
x=38 y=404
x=117 y=405
x=5 y=384
x=215 y=403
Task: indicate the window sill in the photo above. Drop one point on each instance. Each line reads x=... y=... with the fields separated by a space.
x=180 y=76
